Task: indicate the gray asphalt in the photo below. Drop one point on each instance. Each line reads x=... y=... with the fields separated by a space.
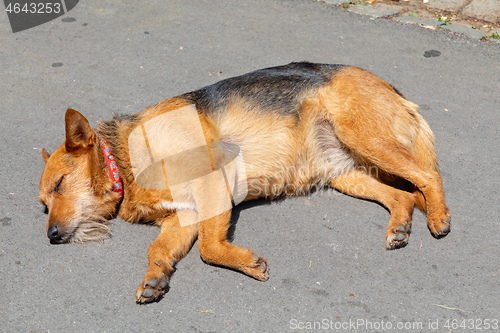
x=329 y=266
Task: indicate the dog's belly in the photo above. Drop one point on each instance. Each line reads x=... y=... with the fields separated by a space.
x=284 y=158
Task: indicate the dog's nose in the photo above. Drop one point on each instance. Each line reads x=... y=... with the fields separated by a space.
x=53 y=233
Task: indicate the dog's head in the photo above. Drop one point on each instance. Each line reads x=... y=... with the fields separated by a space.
x=75 y=186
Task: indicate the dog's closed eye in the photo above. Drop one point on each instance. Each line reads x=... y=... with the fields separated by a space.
x=45 y=208
x=57 y=187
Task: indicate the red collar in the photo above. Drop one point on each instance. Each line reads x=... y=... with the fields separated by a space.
x=112 y=167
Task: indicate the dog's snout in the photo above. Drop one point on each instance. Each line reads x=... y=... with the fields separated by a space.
x=54 y=234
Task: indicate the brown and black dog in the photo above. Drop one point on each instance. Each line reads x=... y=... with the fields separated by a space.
x=297 y=126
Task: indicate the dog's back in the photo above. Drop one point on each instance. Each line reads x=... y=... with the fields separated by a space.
x=278 y=90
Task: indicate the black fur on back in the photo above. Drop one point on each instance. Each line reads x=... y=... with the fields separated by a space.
x=275 y=89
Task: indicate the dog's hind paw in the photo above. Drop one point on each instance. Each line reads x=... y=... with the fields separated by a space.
x=398 y=238
x=151 y=289
x=442 y=228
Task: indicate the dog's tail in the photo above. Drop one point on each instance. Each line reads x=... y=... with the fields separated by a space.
x=424 y=153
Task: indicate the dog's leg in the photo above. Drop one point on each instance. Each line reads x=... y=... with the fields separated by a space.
x=400 y=203
x=395 y=160
x=215 y=249
x=173 y=243
x=381 y=127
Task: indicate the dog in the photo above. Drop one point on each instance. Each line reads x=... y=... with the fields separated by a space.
x=297 y=127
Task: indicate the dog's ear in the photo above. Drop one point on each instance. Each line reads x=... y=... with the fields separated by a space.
x=45 y=155
x=79 y=135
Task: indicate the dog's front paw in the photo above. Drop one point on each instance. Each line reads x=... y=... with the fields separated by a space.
x=151 y=289
x=398 y=237
x=260 y=269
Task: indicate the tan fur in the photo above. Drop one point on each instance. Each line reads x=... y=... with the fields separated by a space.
x=356 y=134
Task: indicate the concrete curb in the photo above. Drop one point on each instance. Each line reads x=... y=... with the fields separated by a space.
x=485 y=10
x=381 y=10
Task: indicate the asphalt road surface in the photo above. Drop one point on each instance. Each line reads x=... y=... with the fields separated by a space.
x=329 y=267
